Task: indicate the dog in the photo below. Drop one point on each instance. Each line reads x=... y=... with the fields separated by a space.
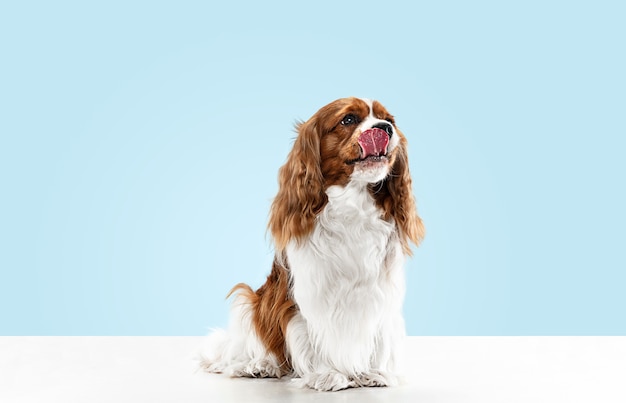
x=330 y=312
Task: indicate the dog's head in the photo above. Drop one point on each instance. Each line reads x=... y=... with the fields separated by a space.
x=349 y=140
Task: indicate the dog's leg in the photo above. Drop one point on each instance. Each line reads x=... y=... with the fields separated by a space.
x=307 y=364
x=386 y=361
x=390 y=338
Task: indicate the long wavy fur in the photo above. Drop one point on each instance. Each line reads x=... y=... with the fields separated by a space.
x=301 y=194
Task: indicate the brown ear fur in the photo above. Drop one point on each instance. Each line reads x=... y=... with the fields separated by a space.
x=395 y=196
x=300 y=194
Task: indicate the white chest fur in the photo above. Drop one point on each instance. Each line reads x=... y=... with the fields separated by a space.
x=348 y=282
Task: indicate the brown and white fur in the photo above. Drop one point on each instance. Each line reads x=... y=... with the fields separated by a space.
x=330 y=312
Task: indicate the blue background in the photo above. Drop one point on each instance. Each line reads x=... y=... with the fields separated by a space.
x=140 y=143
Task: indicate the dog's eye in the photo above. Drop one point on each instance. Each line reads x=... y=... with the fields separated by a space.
x=349 y=119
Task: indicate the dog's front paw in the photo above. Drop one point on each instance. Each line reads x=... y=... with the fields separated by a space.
x=376 y=379
x=328 y=381
x=256 y=369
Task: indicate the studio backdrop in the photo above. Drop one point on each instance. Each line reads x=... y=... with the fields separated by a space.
x=140 y=144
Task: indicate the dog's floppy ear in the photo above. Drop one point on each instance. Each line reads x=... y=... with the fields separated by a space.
x=300 y=194
x=395 y=195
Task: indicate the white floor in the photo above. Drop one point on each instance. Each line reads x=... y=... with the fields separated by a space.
x=441 y=369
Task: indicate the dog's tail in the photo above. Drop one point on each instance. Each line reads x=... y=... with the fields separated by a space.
x=238 y=351
x=218 y=351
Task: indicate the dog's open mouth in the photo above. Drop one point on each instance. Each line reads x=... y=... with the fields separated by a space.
x=373 y=144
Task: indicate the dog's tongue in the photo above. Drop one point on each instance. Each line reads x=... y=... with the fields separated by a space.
x=373 y=142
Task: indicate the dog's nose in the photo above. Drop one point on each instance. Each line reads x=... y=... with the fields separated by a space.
x=385 y=127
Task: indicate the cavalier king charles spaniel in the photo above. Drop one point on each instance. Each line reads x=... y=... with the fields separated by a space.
x=330 y=311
